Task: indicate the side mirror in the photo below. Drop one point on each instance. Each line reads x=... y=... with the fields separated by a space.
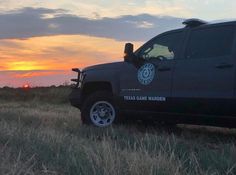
x=128 y=52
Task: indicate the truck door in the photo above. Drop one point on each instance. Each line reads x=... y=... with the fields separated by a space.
x=203 y=81
x=145 y=84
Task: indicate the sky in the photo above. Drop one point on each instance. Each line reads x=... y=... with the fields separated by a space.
x=41 y=40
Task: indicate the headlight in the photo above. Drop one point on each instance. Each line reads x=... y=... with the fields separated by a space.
x=81 y=79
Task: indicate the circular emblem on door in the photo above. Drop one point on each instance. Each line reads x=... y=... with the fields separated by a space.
x=146 y=74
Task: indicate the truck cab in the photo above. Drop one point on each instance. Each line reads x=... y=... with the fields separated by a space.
x=181 y=76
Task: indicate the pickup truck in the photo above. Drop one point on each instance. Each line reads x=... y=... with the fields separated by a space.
x=181 y=76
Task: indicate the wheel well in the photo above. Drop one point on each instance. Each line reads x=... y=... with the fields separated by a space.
x=91 y=87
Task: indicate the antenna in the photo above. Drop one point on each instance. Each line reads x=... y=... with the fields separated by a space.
x=194 y=22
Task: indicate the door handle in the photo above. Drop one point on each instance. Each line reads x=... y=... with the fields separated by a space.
x=224 y=66
x=162 y=69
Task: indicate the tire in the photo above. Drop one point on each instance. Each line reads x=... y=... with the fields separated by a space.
x=99 y=110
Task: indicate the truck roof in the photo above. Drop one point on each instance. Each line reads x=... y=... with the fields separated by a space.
x=193 y=23
x=197 y=23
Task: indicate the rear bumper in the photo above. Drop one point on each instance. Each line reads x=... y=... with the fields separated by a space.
x=75 y=98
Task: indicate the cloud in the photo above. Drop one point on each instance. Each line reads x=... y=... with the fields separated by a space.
x=2 y=67
x=7 y=43
x=31 y=74
x=106 y=8
x=33 y=22
x=207 y=9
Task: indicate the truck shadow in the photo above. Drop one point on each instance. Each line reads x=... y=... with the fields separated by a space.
x=211 y=134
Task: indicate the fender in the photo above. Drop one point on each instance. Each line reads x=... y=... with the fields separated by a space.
x=109 y=76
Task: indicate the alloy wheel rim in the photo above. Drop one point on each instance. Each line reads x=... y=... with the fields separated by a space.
x=102 y=114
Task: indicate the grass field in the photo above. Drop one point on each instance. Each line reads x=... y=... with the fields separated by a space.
x=40 y=133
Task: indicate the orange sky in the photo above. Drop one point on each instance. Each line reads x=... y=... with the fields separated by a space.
x=58 y=52
x=54 y=56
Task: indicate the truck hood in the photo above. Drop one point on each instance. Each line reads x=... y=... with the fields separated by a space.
x=107 y=66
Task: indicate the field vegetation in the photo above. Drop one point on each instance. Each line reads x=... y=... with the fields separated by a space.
x=40 y=133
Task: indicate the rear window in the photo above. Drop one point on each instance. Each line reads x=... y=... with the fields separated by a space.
x=211 y=42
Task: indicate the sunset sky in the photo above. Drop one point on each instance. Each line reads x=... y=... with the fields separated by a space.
x=40 y=41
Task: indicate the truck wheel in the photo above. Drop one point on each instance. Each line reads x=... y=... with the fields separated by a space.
x=99 y=109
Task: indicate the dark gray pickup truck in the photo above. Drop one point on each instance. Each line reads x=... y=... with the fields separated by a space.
x=186 y=75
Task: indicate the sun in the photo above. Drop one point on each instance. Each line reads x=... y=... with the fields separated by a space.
x=26 y=86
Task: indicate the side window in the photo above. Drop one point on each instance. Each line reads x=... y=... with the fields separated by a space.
x=163 y=47
x=211 y=42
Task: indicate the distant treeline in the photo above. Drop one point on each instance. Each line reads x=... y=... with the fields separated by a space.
x=51 y=94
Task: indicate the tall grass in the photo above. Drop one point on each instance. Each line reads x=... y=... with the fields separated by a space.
x=47 y=138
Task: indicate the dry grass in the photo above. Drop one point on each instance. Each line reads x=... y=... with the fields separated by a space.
x=39 y=137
